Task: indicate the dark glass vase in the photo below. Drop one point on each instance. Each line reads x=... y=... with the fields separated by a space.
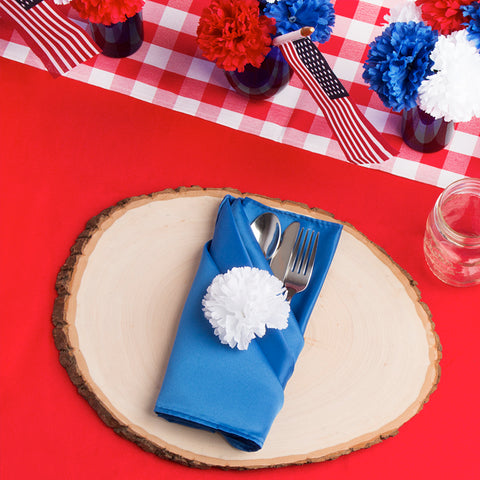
x=424 y=133
x=119 y=39
x=265 y=81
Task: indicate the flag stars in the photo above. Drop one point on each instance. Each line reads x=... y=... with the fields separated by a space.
x=319 y=68
x=27 y=4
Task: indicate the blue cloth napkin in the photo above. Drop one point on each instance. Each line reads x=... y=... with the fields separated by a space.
x=238 y=393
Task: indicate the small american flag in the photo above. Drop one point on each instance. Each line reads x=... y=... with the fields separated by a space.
x=59 y=43
x=358 y=138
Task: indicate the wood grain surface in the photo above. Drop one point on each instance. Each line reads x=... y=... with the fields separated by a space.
x=371 y=355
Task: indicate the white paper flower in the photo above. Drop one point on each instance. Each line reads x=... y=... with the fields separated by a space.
x=453 y=90
x=243 y=303
x=404 y=12
x=61 y=2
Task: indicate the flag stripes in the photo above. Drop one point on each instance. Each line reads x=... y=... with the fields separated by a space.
x=359 y=140
x=57 y=41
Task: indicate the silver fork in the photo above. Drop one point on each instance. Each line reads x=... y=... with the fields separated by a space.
x=300 y=265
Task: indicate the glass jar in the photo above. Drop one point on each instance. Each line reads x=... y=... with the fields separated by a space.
x=120 y=39
x=424 y=133
x=258 y=83
x=452 y=235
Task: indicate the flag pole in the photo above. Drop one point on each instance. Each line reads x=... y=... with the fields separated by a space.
x=292 y=36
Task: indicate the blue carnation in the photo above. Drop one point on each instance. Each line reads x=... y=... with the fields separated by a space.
x=292 y=15
x=473 y=24
x=398 y=61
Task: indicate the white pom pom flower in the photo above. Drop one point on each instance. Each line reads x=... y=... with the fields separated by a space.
x=406 y=11
x=453 y=90
x=243 y=303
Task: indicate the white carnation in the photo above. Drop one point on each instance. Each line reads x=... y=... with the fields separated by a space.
x=453 y=90
x=406 y=11
x=243 y=303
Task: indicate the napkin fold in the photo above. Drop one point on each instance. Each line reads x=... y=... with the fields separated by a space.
x=211 y=386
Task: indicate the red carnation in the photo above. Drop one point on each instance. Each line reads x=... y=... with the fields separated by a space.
x=232 y=33
x=107 y=11
x=443 y=15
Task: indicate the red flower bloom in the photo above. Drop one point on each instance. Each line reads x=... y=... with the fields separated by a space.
x=232 y=33
x=107 y=11
x=443 y=15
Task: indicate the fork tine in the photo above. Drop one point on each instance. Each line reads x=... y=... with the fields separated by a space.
x=303 y=256
x=308 y=254
x=303 y=250
x=300 y=265
x=311 y=261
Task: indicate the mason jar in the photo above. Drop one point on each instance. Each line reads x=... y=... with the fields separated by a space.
x=452 y=235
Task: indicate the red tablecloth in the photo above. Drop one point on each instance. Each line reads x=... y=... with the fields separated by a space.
x=69 y=150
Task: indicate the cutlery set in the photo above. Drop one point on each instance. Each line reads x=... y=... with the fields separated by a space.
x=291 y=255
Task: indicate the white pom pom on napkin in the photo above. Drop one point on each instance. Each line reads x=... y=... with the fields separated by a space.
x=243 y=303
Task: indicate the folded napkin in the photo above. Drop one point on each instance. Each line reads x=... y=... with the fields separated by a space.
x=238 y=393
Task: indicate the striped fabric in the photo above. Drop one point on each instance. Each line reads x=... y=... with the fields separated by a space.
x=360 y=141
x=57 y=41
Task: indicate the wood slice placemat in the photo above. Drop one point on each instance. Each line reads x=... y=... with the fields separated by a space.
x=371 y=355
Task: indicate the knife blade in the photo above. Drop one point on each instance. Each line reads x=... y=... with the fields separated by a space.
x=280 y=261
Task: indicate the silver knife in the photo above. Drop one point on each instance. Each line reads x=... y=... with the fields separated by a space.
x=280 y=261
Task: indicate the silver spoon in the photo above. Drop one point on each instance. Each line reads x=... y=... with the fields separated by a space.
x=267 y=230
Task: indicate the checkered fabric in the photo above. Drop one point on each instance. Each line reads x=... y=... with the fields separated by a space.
x=169 y=70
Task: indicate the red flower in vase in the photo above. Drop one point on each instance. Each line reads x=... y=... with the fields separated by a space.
x=232 y=33
x=445 y=16
x=107 y=11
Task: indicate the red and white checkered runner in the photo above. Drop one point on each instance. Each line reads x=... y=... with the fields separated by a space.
x=169 y=71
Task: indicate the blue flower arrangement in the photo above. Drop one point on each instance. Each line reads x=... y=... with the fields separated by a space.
x=473 y=25
x=292 y=15
x=397 y=62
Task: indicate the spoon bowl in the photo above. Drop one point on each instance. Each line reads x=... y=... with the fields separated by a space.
x=267 y=230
